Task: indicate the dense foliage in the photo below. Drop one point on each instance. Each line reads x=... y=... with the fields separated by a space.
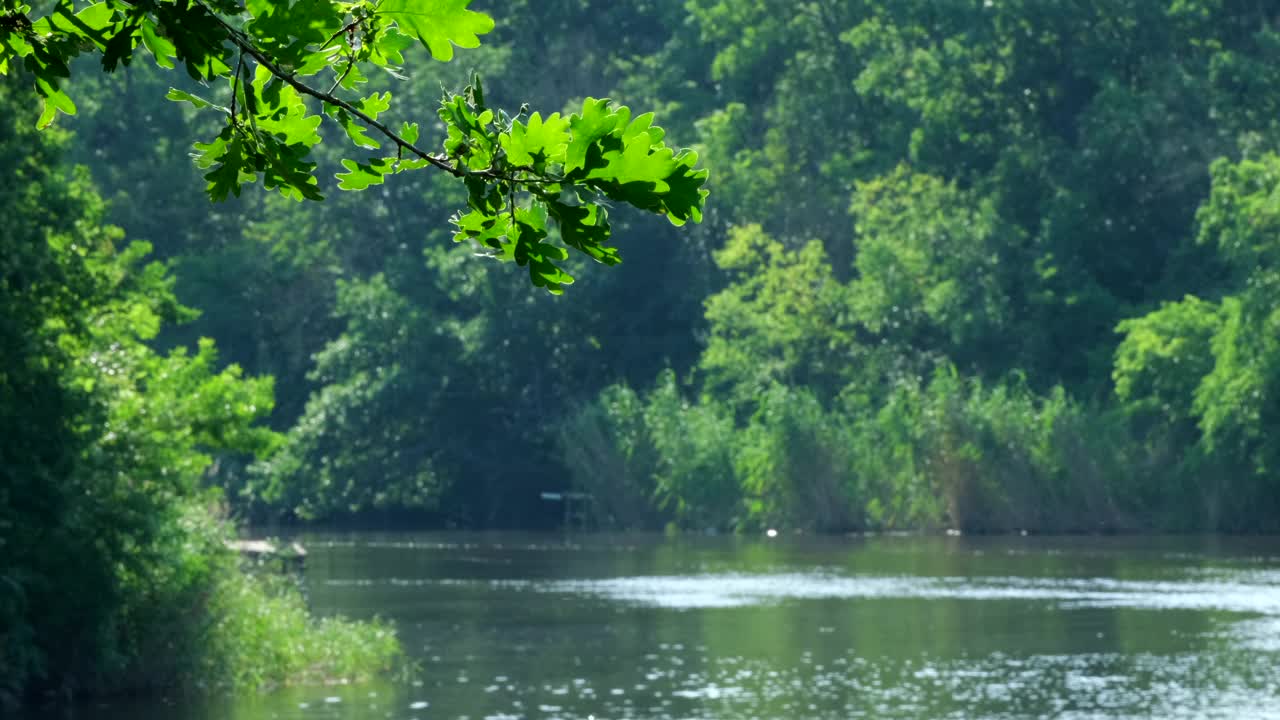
x=526 y=175
x=992 y=266
x=114 y=574
x=989 y=266
x=116 y=437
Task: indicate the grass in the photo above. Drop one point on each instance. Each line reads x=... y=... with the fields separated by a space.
x=263 y=636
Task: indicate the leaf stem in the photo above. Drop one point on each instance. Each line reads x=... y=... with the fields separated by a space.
x=246 y=46
x=235 y=86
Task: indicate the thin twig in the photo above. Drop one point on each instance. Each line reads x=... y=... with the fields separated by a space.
x=351 y=62
x=246 y=46
x=337 y=34
x=292 y=81
x=351 y=57
x=235 y=86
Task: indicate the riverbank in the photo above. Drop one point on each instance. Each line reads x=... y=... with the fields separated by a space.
x=647 y=627
x=200 y=619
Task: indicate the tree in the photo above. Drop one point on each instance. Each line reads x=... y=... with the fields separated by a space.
x=784 y=318
x=526 y=175
x=103 y=440
x=1208 y=370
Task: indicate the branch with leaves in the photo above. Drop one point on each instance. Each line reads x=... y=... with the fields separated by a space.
x=536 y=185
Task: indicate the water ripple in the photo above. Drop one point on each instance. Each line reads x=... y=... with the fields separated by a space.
x=1257 y=593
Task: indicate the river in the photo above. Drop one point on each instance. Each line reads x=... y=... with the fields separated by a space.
x=508 y=626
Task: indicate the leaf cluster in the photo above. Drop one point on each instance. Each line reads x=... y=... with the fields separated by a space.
x=525 y=175
x=565 y=170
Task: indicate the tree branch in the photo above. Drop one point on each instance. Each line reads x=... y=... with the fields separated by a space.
x=246 y=45
x=292 y=81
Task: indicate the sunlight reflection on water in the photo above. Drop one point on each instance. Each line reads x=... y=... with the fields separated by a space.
x=1252 y=593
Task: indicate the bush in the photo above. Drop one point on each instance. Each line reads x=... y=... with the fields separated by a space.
x=198 y=621
x=608 y=452
x=694 y=475
x=114 y=576
x=947 y=452
x=953 y=451
x=656 y=459
x=794 y=464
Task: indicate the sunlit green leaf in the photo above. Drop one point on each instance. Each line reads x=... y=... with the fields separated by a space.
x=538 y=140
x=290 y=29
x=160 y=47
x=438 y=24
x=361 y=175
x=597 y=120
x=55 y=100
x=177 y=95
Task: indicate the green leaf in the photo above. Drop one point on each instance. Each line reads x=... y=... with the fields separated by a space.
x=14 y=44
x=372 y=106
x=177 y=95
x=409 y=132
x=90 y=24
x=596 y=121
x=356 y=131
x=643 y=124
x=546 y=275
x=534 y=218
x=281 y=111
x=685 y=195
x=585 y=228
x=555 y=252
x=483 y=196
x=470 y=137
x=528 y=231
x=361 y=175
x=119 y=47
x=54 y=100
x=489 y=231
x=438 y=24
x=230 y=173
x=351 y=77
x=199 y=41
x=288 y=29
x=638 y=162
x=388 y=49
x=287 y=169
x=406 y=164
x=539 y=141
x=159 y=46
x=208 y=154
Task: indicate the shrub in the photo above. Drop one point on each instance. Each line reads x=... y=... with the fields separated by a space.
x=794 y=464
x=198 y=621
x=694 y=442
x=996 y=459
x=606 y=447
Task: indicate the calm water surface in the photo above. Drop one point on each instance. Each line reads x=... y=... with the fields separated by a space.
x=530 y=626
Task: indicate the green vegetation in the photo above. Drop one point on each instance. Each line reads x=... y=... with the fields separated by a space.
x=265 y=637
x=965 y=281
x=989 y=266
x=526 y=175
x=932 y=454
x=120 y=434
x=114 y=573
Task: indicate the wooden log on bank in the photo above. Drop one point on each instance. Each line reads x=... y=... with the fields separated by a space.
x=292 y=556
